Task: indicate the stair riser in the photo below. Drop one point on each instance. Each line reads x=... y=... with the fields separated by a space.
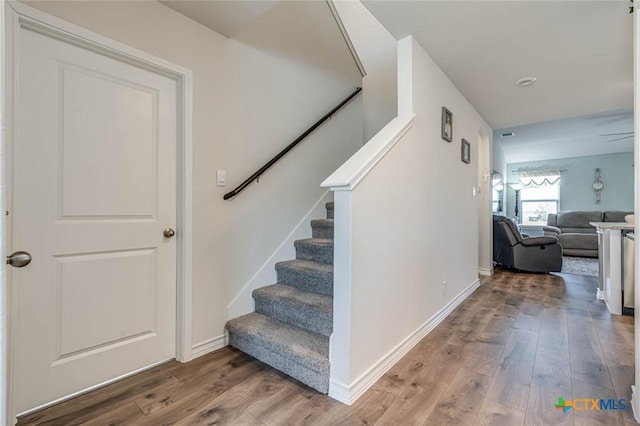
x=306 y=280
x=322 y=232
x=271 y=356
x=300 y=316
x=321 y=254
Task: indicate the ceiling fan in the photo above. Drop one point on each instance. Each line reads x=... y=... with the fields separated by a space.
x=629 y=135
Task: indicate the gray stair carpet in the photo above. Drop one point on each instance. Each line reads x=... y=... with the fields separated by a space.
x=293 y=318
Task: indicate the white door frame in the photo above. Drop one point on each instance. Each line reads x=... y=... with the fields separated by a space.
x=635 y=395
x=15 y=16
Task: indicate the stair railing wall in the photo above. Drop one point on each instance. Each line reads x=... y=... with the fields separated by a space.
x=406 y=228
x=343 y=182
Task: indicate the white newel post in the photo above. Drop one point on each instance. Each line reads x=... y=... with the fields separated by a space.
x=340 y=344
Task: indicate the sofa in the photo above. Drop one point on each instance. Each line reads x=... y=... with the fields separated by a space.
x=511 y=249
x=576 y=236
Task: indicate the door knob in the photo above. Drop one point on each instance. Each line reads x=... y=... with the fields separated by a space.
x=19 y=259
x=168 y=233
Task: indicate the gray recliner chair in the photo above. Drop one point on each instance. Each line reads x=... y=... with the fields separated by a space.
x=533 y=254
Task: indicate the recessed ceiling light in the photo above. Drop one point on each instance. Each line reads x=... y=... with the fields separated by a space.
x=525 y=81
x=506 y=135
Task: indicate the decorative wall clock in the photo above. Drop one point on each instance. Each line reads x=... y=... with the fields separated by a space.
x=597 y=186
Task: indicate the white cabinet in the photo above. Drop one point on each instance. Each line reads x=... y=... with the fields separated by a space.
x=610 y=259
x=628 y=278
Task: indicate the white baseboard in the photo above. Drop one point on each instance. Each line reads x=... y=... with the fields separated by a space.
x=243 y=303
x=207 y=346
x=600 y=295
x=348 y=394
x=485 y=271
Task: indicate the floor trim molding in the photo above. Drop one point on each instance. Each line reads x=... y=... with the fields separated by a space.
x=485 y=271
x=348 y=394
x=207 y=346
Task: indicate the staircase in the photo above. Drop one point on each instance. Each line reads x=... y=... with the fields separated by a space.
x=293 y=318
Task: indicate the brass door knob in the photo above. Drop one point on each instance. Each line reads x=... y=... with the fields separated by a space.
x=168 y=233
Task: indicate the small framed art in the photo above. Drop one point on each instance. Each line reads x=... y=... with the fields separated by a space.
x=465 y=151
x=447 y=125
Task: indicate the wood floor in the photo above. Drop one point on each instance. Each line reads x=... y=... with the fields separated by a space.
x=503 y=357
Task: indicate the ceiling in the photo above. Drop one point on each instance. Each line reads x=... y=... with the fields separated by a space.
x=225 y=17
x=570 y=137
x=581 y=53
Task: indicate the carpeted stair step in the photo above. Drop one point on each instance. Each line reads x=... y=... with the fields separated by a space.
x=315 y=249
x=322 y=228
x=306 y=275
x=300 y=354
x=329 y=207
x=309 y=311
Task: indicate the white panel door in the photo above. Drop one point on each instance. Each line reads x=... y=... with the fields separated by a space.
x=94 y=186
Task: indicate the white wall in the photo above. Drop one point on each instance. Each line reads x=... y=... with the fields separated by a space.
x=252 y=96
x=499 y=163
x=377 y=50
x=407 y=233
x=576 y=192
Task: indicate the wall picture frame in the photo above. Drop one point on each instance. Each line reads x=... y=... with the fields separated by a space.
x=447 y=125
x=465 y=151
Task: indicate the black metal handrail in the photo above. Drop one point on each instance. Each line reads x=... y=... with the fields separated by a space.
x=289 y=147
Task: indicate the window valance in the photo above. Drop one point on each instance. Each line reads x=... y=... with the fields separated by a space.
x=538 y=178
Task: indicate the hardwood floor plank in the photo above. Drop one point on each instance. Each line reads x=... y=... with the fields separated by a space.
x=413 y=410
x=194 y=396
x=551 y=372
x=588 y=364
x=498 y=330
x=483 y=357
x=582 y=390
x=612 y=331
x=620 y=361
x=302 y=410
x=127 y=414
x=207 y=363
x=545 y=390
x=269 y=408
x=466 y=392
x=553 y=334
x=366 y=411
x=231 y=405
x=510 y=384
x=228 y=366
x=496 y=414
x=528 y=323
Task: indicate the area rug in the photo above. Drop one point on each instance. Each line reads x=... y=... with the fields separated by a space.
x=580 y=266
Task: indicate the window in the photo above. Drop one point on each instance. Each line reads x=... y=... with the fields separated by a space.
x=539 y=196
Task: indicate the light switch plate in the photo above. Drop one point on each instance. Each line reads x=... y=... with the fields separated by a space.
x=221 y=177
